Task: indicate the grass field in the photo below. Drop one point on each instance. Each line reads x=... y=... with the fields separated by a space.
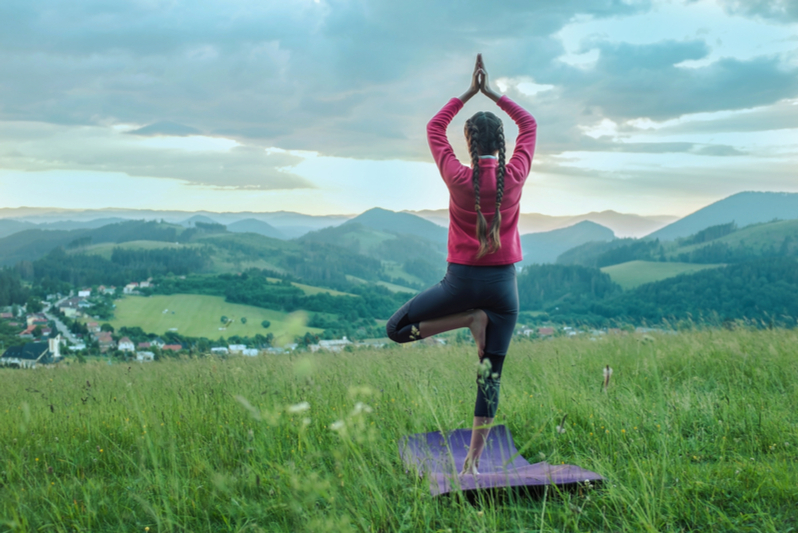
x=199 y=316
x=697 y=432
x=634 y=273
x=310 y=290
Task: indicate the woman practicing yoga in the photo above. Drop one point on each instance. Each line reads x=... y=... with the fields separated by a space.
x=479 y=291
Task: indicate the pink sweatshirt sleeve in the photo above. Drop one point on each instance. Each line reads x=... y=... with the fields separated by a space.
x=449 y=166
x=526 y=139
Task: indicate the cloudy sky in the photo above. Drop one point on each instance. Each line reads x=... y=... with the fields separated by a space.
x=320 y=106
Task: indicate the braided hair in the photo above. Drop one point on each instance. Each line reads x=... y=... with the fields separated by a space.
x=484 y=132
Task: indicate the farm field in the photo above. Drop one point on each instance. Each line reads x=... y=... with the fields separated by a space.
x=697 y=432
x=634 y=273
x=199 y=316
x=310 y=289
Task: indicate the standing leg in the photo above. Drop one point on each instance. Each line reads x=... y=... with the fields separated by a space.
x=480 y=430
x=485 y=409
x=502 y=306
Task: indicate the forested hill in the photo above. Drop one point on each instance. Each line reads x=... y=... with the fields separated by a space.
x=764 y=289
x=724 y=243
x=32 y=244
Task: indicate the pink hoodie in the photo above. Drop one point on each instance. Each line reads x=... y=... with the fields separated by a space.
x=462 y=244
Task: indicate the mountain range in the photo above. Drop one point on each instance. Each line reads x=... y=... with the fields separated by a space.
x=379 y=233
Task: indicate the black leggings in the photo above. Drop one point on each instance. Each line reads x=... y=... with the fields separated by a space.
x=492 y=289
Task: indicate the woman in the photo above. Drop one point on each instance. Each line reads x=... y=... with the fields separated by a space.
x=479 y=291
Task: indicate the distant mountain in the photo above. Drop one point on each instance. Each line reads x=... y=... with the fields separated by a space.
x=251 y=225
x=622 y=224
x=400 y=223
x=31 y=244
x=80 y=224
x=10 y=226
x=191 y=221
x=625 y=224
x=545 y=247
x=440 y=217
x=296 y=224
x=744 y=208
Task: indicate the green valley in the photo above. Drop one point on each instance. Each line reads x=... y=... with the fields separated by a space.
x=195 y=315
x=634 y=273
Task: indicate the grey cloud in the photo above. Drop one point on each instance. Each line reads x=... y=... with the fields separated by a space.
x=165 y=128
x=38 y=147
x=782 y=115
x=717 y=150
x=782 y=11
x=352 y=78
x=632 y=81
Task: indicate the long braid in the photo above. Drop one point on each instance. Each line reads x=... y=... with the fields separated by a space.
x=473 y=133
x=494 y=233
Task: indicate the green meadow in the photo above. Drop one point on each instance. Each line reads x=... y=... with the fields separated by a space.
x=195 y=315
x=634 y=273
x=697 y=432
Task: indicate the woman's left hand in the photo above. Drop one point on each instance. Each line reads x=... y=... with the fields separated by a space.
x=478 y=75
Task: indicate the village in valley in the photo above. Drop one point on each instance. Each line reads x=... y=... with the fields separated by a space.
x=73 y=324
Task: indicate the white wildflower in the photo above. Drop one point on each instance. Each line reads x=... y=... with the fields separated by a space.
x=338 y=425
x=301 y=407
x=562 y=428
x=361 y=408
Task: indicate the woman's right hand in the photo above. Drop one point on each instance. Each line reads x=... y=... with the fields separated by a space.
x=484 y=82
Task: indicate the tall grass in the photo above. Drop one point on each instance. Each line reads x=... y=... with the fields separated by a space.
x=697 y=432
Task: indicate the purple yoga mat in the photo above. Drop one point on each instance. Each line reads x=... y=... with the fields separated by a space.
x=441 y=458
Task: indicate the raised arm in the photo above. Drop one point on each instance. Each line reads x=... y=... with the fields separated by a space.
x=526 y=139
x=449 y=166
x=443 y=155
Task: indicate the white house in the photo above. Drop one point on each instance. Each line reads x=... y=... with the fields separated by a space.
x=130 y=288
x=126 y=345
x=250 y=352
x=144 y=284
x=145 y=357
x=236 y=348
x=84 y=293
x=336 y=345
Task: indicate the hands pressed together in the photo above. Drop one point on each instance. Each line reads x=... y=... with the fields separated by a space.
x=480 y=83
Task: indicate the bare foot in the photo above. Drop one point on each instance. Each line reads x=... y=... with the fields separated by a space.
x=478 y=329
x=470 y=467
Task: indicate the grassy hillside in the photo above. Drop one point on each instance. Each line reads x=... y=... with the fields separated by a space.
x=755 y=237
x=199 y=316
x=309 y=290
x=697 y=432
x=104 y=250
x=634 y=273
